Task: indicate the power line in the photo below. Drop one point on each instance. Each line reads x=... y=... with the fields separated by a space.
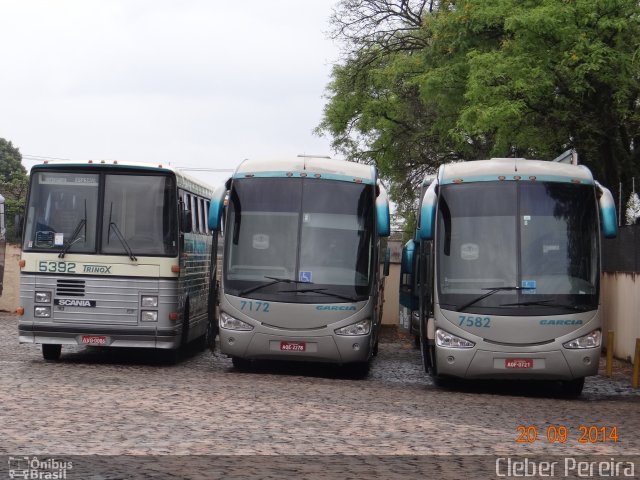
x=195 y=169
x=26 y=156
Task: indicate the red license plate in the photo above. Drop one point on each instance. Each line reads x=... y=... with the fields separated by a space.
x=518 y=363
x=94 y=339
x=293 y=346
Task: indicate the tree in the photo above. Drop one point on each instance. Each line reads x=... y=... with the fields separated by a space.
x=13 y=185
x=422 y=83
x=633 y=209
x=10 y=162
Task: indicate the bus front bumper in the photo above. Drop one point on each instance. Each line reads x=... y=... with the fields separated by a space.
x=295 y=346
x=558 y=364
x=89 y=335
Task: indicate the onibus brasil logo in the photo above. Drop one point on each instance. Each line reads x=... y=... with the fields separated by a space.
x=38 y=468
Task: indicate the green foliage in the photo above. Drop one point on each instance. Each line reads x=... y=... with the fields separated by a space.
x=476 y=79
x=10 y=162
x=13 y=186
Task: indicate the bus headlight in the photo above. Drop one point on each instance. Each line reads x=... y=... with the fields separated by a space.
x=42 y=312
x=446 y=339
x=149 y=302
x=363 y=327
x=42 y=297
x=148 y=316
x=590 y=340
x=232 y=323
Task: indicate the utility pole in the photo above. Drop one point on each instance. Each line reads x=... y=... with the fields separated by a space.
x=620 y=205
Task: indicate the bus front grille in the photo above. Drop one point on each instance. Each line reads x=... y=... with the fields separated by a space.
x=70 y=288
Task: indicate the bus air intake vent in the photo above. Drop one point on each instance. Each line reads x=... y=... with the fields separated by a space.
x=70 y=288
x=505 y=344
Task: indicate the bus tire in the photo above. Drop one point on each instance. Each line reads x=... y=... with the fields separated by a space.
x=51 y=352
x=358 y=370
x=572 y=388
x=184 y=336
x=210 y=334
x=171 y=356
x=424 y=353
x=241 y=364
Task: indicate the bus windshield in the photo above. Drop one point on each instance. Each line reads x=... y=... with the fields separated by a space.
x=139 y=209
x=314 y=237
x=64 y=215
x=60 y=204
x=515 y=248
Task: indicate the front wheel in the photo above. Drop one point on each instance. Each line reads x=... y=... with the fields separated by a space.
x=51 y=352
x=358 y=370
x=210 y=335
x=572 y=388
x=241 y=364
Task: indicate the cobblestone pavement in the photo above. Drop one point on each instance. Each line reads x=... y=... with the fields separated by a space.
x=130 y=402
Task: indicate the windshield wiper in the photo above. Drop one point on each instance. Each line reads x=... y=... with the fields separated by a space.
x=491 y=291
x=76 y=232
x=275 y=280
x=545 y=303
x=74 y=237
x=323 y=291
x=124 y=243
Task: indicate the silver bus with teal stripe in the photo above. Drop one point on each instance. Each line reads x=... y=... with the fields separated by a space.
x=300 y=276
x=510 y=262
x=115 y=254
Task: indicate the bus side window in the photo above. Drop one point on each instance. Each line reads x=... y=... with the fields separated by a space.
x=207 y=205
x=186 y=218
x=194 y=213
x=202 y=216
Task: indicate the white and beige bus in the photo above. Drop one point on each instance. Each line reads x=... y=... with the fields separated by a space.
x=114 y=254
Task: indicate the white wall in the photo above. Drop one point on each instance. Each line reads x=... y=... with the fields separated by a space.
x=621 y=311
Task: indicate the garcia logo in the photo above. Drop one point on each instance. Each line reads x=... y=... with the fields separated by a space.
x=560 y=322
x=72 y=302
x=341 y=308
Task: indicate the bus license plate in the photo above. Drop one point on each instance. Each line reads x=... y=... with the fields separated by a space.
x=293 y=346
x=94 y=339
x=518 y=363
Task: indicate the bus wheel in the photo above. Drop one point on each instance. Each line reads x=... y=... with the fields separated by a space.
x=572 y=388
x=171 y=356
x=184 y=336
x=426 y=356
x=210 y=335
x=376 y=347
x=241 y=363
x=358 y=370
x=51 y=352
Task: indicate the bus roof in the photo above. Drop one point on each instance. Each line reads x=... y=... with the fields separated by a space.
x=318 y=167
x=184 y=180
x=513 y=169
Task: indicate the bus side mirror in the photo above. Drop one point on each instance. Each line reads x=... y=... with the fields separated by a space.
x=186 y=221
x=608 y=218
x=387 y=262
x=216 y=208
x=408 y=252
x=19 y=224
x=383 y=219
x=426 y=222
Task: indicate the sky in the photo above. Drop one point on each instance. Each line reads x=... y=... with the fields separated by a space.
x=191 y=83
